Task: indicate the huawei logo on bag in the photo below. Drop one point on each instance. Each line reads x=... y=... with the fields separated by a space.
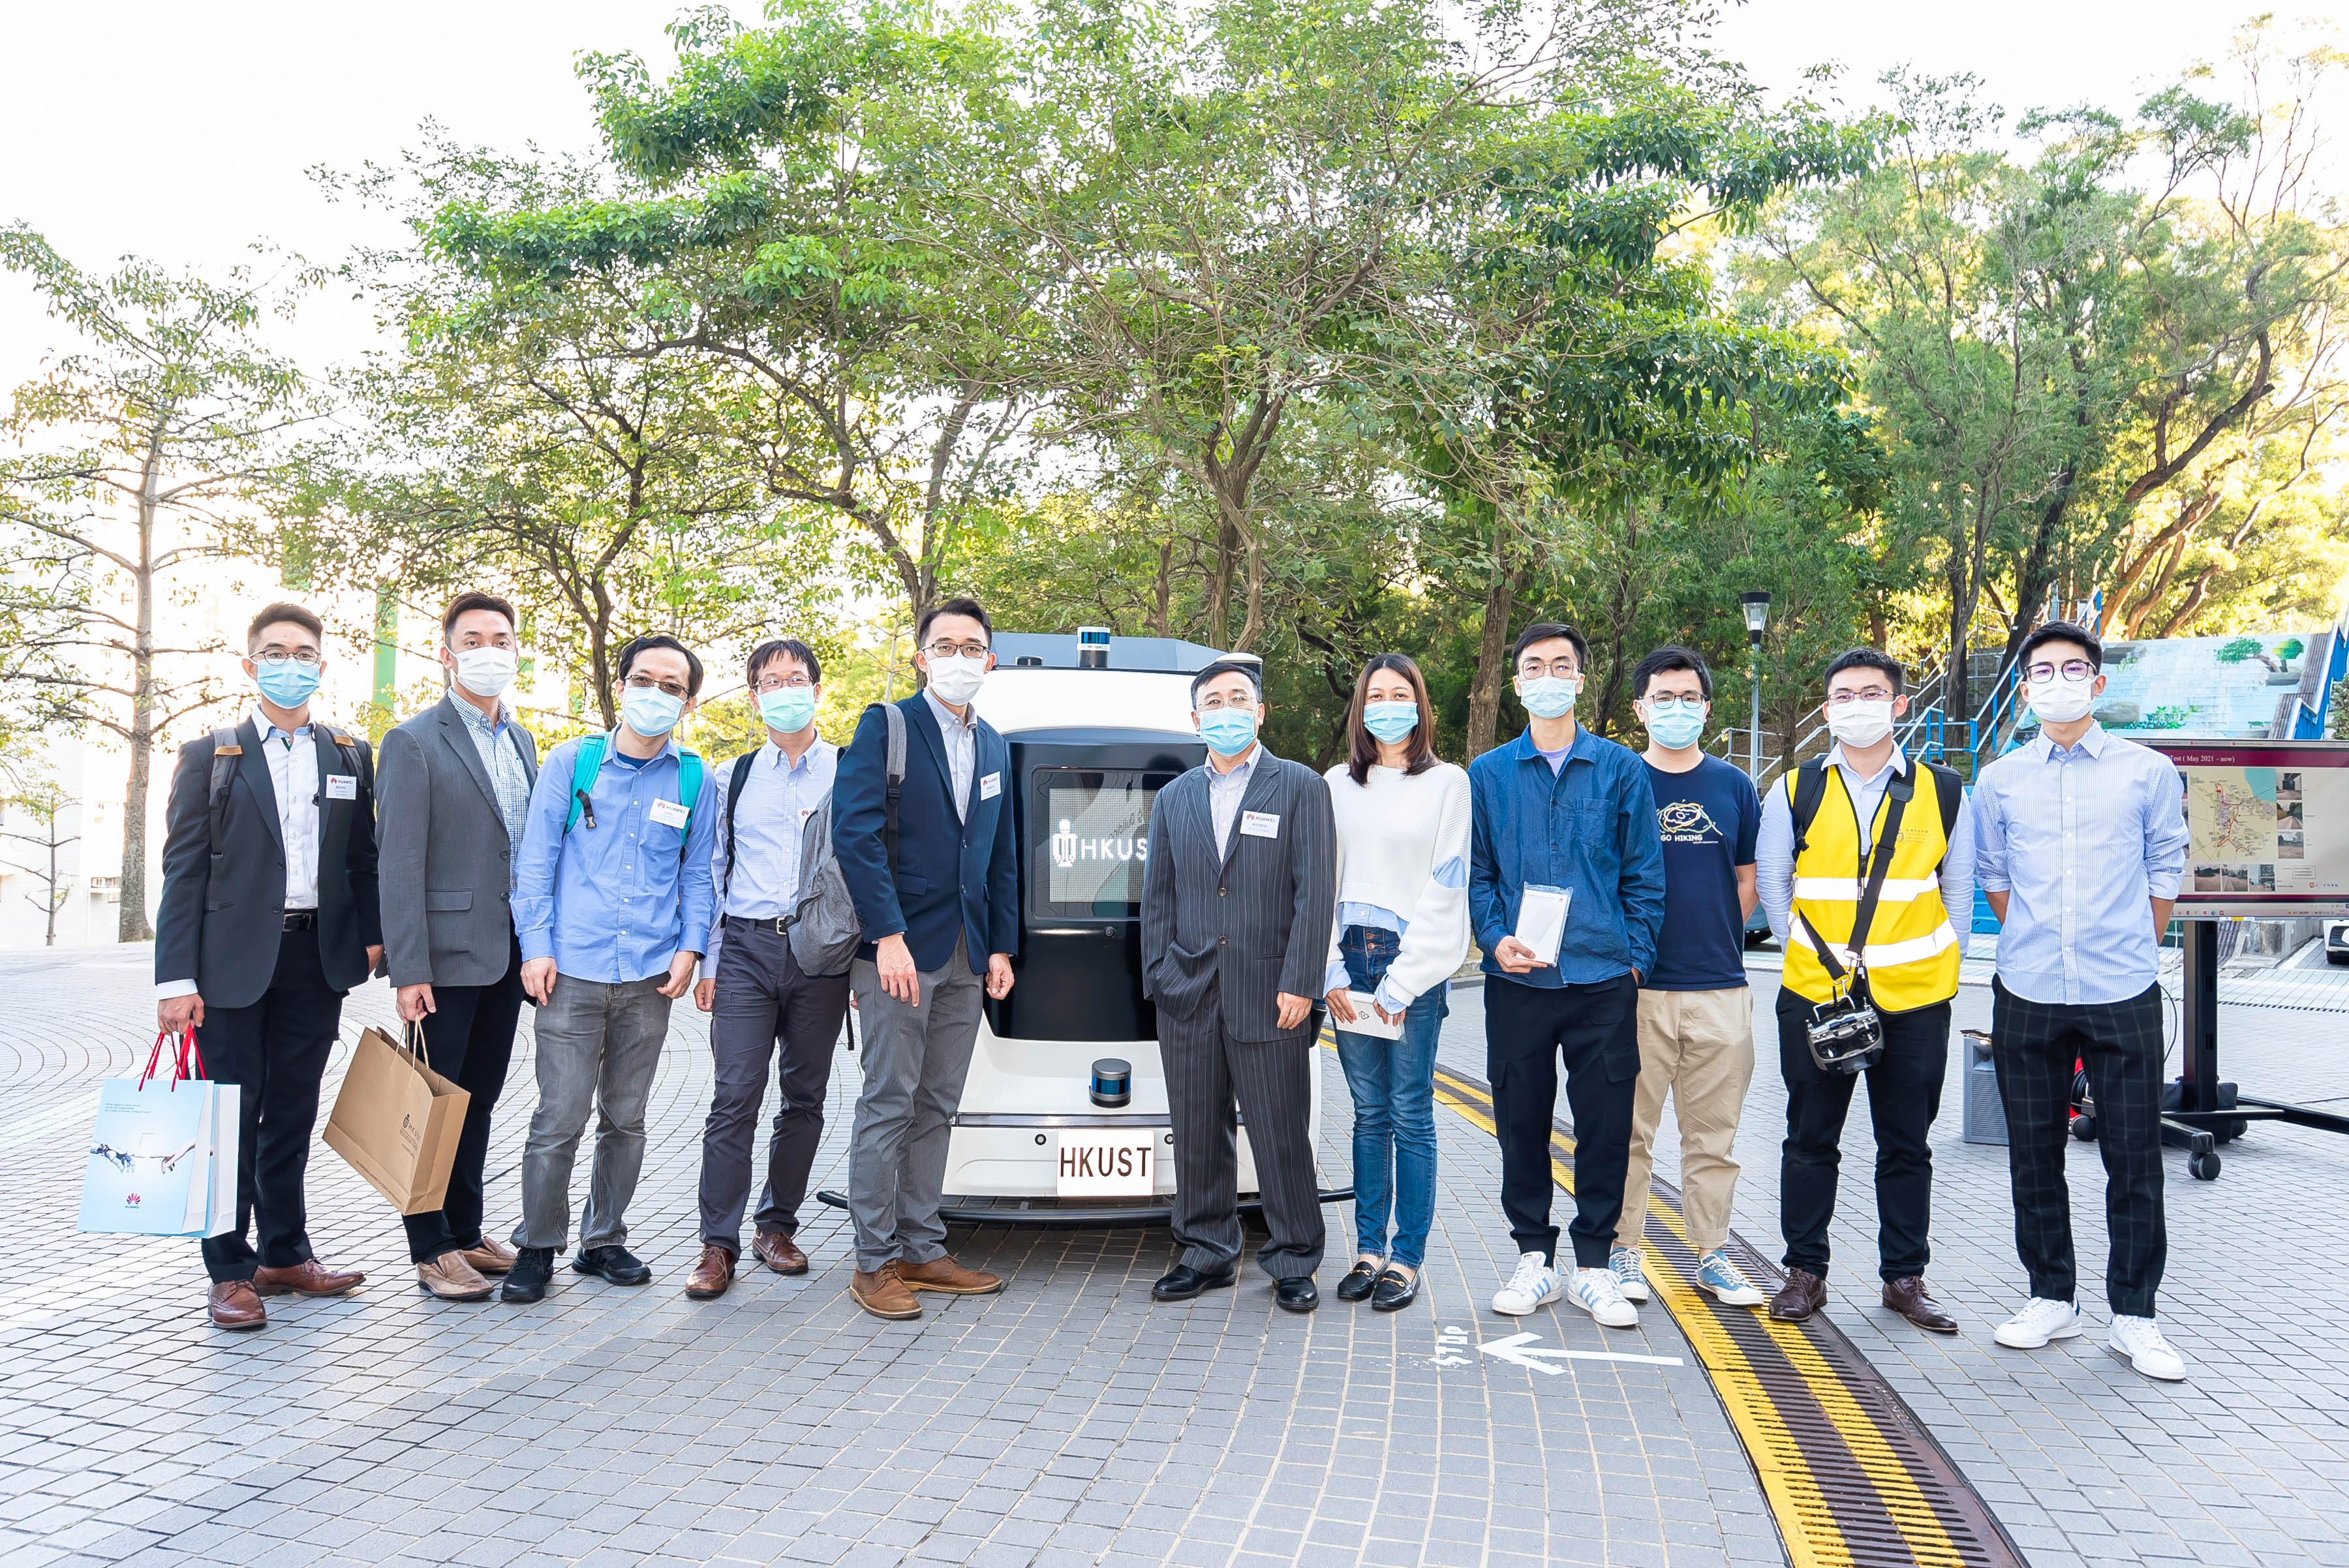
x=131 y=1202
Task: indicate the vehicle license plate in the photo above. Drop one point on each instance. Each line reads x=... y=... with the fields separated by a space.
x=1111 y=1164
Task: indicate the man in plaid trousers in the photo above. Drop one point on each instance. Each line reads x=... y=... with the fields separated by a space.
x=2080 y=837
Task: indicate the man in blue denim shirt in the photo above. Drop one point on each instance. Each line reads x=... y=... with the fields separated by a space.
x=1559 y=807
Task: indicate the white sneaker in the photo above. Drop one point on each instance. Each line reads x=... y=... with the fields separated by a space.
x=1623 y=1263
x=1534 y=1285
x=2139 y=1339
x=2039 y=1321
x=1599 y=1294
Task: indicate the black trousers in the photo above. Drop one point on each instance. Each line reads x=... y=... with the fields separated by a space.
x=469 y=1038
x=275 y=1050
x=1904 y=1095
x=1212 y=1080
x=763 y=1000
x=2033 y=1045
x=1595 y=1030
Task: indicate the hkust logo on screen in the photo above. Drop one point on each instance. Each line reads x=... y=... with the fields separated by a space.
x=1068 y=848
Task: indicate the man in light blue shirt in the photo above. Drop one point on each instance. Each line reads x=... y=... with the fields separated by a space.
x=2081 y=837
x=759 y=998
x=612 y=906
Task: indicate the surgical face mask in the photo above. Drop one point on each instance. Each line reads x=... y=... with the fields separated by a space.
x=788 y=709
x=1549 y=696
x=1390 y=722
x=485 y=672
x=1675 y=724
x=1227 y=731
x=956 y=679
x=288 y=682
x=2060 y=701
x=1859 y=724
x=650 y=712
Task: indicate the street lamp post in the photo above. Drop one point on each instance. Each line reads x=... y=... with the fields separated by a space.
x=1756 y=606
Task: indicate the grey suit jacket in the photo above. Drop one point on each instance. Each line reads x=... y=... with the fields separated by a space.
x=1249 y=922
x=447 y=868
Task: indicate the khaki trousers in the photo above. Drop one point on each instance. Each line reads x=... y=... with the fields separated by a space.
x=1698 y=1047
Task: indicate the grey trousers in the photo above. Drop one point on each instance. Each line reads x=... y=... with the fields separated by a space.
x=762 y=999
x=1206 y=1070
x=916 y=1059
x=598 y=1047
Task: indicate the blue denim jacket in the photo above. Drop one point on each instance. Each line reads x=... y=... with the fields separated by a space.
x=1590 y=827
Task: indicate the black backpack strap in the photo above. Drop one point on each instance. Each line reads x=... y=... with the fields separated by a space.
x=226 y=750
x=1952 y=792
x=734 y=782
x=1809 y=788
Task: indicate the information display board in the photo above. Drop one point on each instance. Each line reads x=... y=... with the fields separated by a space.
x=2270 y=826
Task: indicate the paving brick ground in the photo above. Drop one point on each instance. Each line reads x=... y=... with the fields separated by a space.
x=1069 y=1420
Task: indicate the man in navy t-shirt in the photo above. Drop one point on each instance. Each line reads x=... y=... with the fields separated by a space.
x=1696 y=1016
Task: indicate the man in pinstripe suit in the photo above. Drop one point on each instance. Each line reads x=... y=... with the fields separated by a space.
x=1237 y=906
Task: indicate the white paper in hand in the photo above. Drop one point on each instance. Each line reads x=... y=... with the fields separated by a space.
x=1367 y=1021
x=1541 y=920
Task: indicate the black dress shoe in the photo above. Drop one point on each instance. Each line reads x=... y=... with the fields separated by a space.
x=1183 y=1282
x=616 y=1264
x=1296 y=1295
x=1356 y=1285
x=1393 y=1293
x=527 y=1279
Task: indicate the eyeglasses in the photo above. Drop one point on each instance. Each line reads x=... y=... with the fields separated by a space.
x=953 y=649
x=1215 y=702
x=277 y=658
x=1666 y=705
x=1562 y=667
x=767 y=683
x=647 y=684
x=2070 y=670
x=1864 y=694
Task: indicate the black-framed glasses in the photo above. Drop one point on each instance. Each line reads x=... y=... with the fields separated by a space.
x=274 y=657
x=2070 y=670
x=766 y=683
x=1864 y=694
x=943 y=650
x=647 y=684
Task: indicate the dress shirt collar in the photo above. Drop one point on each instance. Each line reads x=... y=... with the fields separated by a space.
x=1523 y=749
x=612 y=753
x=2042 y=745
x=265 y=729
x=1238 y=769
x=946 y=715
x=473 y=715
x=1898 y=763
x=775 y=756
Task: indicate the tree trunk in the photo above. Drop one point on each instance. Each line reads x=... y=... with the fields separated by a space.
x=1493 y=653
x=1163 y=591
x=132 y=924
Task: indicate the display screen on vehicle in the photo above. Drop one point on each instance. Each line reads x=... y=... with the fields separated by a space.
x=1089 y=839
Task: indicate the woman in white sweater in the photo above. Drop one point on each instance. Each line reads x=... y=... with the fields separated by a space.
x=1401 y=929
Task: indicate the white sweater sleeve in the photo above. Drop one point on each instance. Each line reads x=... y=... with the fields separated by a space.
x=1437 y=938
x=1334 y=973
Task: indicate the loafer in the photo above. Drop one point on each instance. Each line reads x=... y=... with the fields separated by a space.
x=948 y=1278
x=308 y=1278
x=1803 y=1293
x=883 y=1294
x=533 y=1270
x=616 y=1264
x=1183 y=1282
x=1356 y=1285
x=488 y=1256
x=450 y=1278
x=233 y=1304
x=778 y=1252
x=1295 y=1295
x=1908 y=1297
x=712 y=1275
x=1393 y=1292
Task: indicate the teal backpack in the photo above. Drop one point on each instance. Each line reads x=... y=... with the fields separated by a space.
x=589 y=762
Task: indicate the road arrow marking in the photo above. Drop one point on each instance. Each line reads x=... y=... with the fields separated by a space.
x=1514 y=1349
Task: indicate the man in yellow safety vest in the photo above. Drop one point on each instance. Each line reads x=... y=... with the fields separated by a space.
x=1821 y=877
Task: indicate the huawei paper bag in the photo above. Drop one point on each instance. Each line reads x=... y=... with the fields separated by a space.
x=155 y=1152
x=396 y=1121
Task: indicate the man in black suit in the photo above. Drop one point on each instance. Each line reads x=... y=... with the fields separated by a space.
x=1236 y=907
x=453 y=789
x=268 y=917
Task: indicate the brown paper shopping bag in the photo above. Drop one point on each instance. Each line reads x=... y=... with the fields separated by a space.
x=396 y=1121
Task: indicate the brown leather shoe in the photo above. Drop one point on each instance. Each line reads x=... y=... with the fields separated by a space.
x=883 y=1294
x=1908 y=1298
x=311 y=1278
x=488 y=1256
x=949 y=1278
x=1803 y=1293
x=233 y=1305
x=712 y=1275
x=778 y=1252
x=450 y=1278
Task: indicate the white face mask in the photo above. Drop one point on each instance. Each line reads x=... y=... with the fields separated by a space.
x=485 y=672
x=1859 y=724
x=956 y=679
x=2060 y=701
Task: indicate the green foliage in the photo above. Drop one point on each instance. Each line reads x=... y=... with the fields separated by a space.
x=2239 y=650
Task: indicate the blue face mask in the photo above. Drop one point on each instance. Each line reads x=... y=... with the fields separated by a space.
x=1549 y=696
x=287 y=683
x=1390 y=722
x=650 y=712
x=789 y=711
x=1675 y=724
x=1227 y=731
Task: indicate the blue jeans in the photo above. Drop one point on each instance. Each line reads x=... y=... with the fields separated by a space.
x=1393 y=1085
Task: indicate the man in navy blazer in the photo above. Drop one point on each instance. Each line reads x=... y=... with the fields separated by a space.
x=948 y=894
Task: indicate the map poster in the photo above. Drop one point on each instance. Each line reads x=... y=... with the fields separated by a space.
x=2269 y=825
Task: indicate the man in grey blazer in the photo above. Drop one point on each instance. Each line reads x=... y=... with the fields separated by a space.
x=451 y=790
x=1237 y=906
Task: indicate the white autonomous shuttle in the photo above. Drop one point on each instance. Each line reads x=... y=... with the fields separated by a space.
x=1063 y=1117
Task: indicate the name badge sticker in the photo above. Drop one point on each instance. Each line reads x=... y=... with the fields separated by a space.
x=1260 y=824
x=342 y=786
x=990 y=787
x=670 y=813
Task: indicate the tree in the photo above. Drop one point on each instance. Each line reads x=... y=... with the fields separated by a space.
x=134 y=456
x=42 y=804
